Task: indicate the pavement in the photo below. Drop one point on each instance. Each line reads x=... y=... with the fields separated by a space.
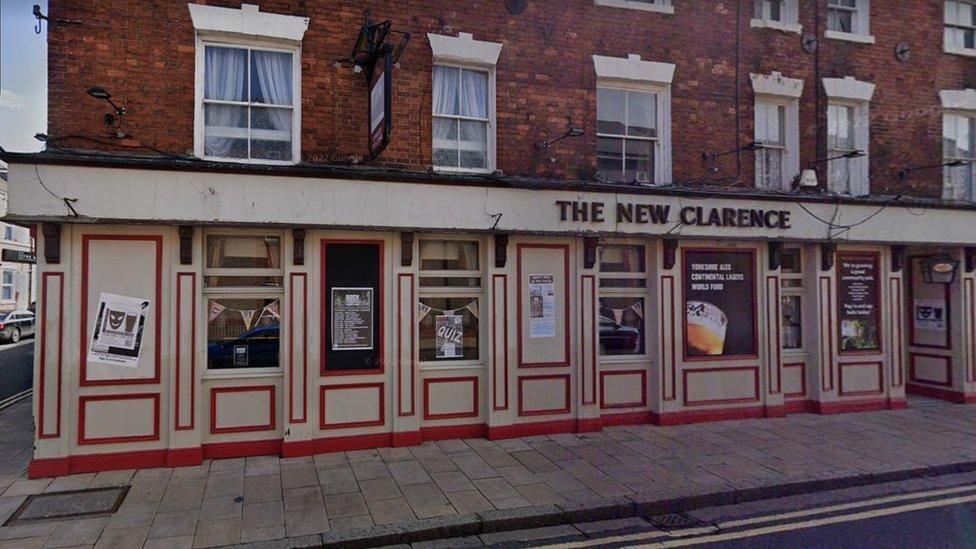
x=16 y=367
x=457 y=488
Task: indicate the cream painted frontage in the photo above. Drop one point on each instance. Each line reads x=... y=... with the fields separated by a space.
x=564 y=326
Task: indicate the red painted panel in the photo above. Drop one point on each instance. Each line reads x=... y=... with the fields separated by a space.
x=518 y=268
x=643 y=389
x=475 y=410
x=323 y=421
x=82 y=412
x=178 y=425
x=840 y=384
x=802 y=393
x=687 y=372
x=566 y=396
x=272 y=409
x=503 y=315
x=42 y=343
x=293 y=416
x=591 y=397
x=669 y=366
x=913 y=376
x=401 y=411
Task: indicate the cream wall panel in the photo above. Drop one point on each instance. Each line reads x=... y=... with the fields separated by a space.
x=931 y=369
x=116 y=419
x=50 y=343
x=542 y=395
x=623 y=390
x=243 y=408
x=860 y=379
x=541 y=259
x=721 y=385
x=451 y=397
x=352 y=405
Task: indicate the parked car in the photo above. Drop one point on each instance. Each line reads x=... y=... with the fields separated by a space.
x=616 y=339
x=15 y=325
x=255 y=348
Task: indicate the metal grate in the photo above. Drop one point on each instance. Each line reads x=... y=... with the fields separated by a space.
x=77 y=503
x=673 y=521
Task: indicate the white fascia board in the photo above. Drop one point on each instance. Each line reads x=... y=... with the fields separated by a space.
x=247 y=21
x=776 y=84
x=962 y=100
x=463 y=49
x=633 y=69
x=848 y=88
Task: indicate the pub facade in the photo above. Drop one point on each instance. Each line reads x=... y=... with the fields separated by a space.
x=265 y=294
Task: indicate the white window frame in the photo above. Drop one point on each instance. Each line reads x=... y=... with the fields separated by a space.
x=8 y=233
x=656 y=6
x=8 y=286
x=776 y=89
x=787 y=290
x=856 y=94
x=633 y=73
x=643 y=292
x=462 y=292
x=489 y=121
x=860 y=24
x=789 y=17
x=949 y=190
x=957 y=103
x=464 y=52
x=248 y=28
x=245 y=292
x=655 y=141
x=953 y=49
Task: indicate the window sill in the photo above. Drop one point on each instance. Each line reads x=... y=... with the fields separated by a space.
x=242 y=373
x=461 y=171
x=626 y=4
x=248 y=161
x=623 y=359
x=776 y=25
x=952 y=50
x=460 y=365
x=849 y=37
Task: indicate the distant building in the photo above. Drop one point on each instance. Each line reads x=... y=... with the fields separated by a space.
x=16 y=279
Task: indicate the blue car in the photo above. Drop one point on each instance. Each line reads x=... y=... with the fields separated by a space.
x=255 y=348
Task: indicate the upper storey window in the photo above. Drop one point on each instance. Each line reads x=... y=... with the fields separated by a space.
x=960 y=27
x=849 y=20
x=959 y=144
x=848 y=135
x=777 y=14
x=660 y=6
x=248 y=85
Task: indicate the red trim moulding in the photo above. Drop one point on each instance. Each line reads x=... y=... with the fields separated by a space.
x=42 y=339
x=868 y=405
x=270 y=426
x=826 y=346
x=83 y=411
x=156 y=305
x=774 y=335
x=755 y=305
x=380 y=311
x=802 y=393
x=522 y=412
x=591 y=399
x=684 y=382
x=381 y=415
x=566 y=305
x=915 y=379
x=643 y=389
x=246 y=448
x=971 y=371
x=292 y=416
x=876 y=259
x=474 y=412
x=413 y=322
x=720 y=414
x=941 y=393
x=911 y=315
x=897 y=341
x=178 y=426
x=504 y=355
x=840 y=381
x=670 y=366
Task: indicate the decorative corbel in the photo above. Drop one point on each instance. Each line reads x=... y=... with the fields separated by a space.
x=670 y=253
x=501 y=250
x=970 y=259
x=897 y=258
x=590 y=244
x=186 y=245
x=298 y=246
x=827 y=250
x=52 y=242
x=775 y=255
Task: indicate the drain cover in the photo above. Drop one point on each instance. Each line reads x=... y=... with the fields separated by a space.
x=672 y=521
x=78 y=503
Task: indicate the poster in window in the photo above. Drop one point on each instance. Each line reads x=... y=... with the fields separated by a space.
x=449 y=331
x=930 y=314
x=352 y=319
x=857 y=284
x=720 y=303
x=542 y=306
x=117 y=338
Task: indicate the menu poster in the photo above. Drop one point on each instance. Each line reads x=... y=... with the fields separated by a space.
x=449 y=330
x=857 y=300
x=720 y=303
x=352 y=319
x=542 y=306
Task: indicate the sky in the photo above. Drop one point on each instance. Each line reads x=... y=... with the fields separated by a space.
x=23 y=76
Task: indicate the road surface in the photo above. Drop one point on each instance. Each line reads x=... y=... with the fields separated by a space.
x=16 y=367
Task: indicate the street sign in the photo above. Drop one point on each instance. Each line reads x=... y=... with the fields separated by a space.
x=18 y=256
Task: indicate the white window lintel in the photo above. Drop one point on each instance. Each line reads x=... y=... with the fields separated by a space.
x=247 y=21
x=850 y=37
x=643 y=6
x=757 y=23
x=848 y=88
x=777 y=85
x=958 y=100
x=463 y=49
x=633 y=69
x=956 y=50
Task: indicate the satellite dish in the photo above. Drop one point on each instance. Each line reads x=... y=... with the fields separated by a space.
x=516 y=7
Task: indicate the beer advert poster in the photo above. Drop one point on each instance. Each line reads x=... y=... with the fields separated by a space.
x=858 y=302
x=117 y=337
x=720 y=303
x=542 y=306
x=449 y=331
x=352 y=319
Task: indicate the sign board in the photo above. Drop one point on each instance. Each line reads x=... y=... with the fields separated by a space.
x=380 y=104
x=858 y=298
x=720 y=303
x=449 y=330
x=352 y=319
x=18 y=256
x=117 y=337
x=542 y=306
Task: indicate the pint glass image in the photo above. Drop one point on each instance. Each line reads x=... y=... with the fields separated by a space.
x=705 y=328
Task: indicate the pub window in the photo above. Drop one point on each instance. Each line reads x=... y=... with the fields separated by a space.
x=791 y=298
x=242 y=293
x=463 y=129
x=777 y=14
x=660 y=6
x=7 y=286
x=849 y=20
x=771 y=134
x=627 y=135
x=959 y=155
x=449 y=304
x=248 y=109
x=847 y=147
x=960 y=27
x=623 y=300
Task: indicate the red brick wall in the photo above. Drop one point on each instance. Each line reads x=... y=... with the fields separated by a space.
x=143 y=52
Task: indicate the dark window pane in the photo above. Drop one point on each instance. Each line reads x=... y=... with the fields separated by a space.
x=243 y=333
x=243 y=252
x=427 y=329
x=621 y=325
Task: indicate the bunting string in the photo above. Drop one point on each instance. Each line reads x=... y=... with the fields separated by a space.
x=249 y=316
x=424 y=310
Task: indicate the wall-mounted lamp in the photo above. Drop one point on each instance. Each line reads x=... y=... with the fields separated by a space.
x=940 y=269
x=708 y=158
x=573 y=131
x=100 y=93
x=903 y=174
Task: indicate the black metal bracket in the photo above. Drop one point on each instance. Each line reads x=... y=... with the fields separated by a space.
x=897 y=258
x=298 y=246
x=186 y=245
x=52 y=242
x=590 y=245
x=406 y=249
x=501 y=250
x=827 y=250
x=775 y=255
x=670 y=253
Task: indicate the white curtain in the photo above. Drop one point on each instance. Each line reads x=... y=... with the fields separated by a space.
x=447 y=85
x=225 y=80
x=271 y=72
